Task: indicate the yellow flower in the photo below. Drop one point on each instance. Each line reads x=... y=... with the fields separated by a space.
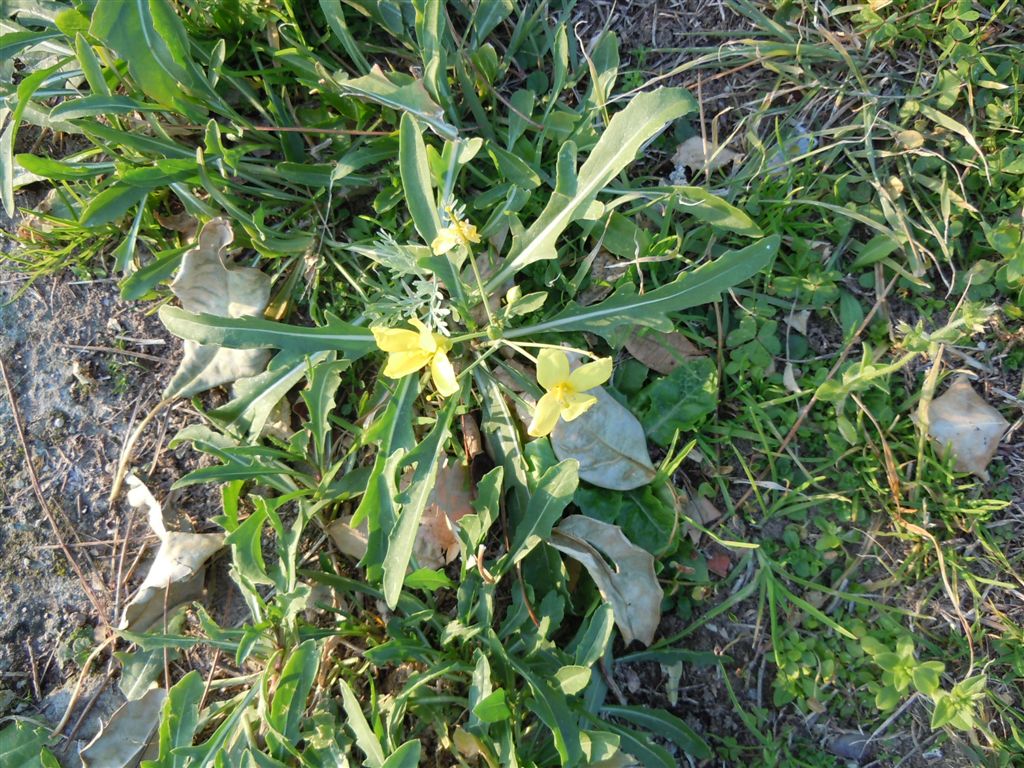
x=458 y=232
x=565 y=391
x=408 y=351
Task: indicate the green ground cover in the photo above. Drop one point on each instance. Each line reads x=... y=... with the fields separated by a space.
x=751 y=504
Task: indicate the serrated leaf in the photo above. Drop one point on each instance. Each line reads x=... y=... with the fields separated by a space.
x=695 y=287
x=630 y=588
x=419 y=196
x=178 y=722
x=24 y=746
x=401 y=92
x=609 y=444
x=628 y=130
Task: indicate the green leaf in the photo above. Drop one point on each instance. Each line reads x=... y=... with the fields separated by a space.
x=402 y=538
x=647 y=519
x=401 y=92
x=572 y=678
x=255 y=397
x=24 y=746
x=366 y=740
x=680 y=400
x=493 y=708
x=25 y=91
x=111 y=204
x=428 y=580
x=91 y=67
x=547 y=503
x=49 y=168
x=550 y=705
x=703 y=205
x=592 y=640
x=642 y=119
x=90 y=106
x=152 y=40
x=256 y=333
x=289 y=702
x=419 y=195
x=179 y=721
x=406 y=756
x=335 y=16
x=140 y=669
x=695 y=287
x=927 y=676
x=666 y=725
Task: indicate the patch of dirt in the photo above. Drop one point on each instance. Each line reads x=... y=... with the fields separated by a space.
x=76 y=407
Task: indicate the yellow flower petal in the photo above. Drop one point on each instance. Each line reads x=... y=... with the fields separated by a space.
x=468 y=232
x=401 y=364
x=545 y=416
x=575 y=405
x=427 y=341
x=396 y=339
x=446 y=239
x=443 y=374
x=552 y=368
x=591 y=375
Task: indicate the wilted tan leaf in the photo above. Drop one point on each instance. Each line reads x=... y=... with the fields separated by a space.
x=661 y=352
x=631 y=588
x=798 y=321
x=450 y=500
x=436 y=543
x=697 y=154
x=349 y=541
x=789 y=379
x=176 y=576
x=123 y=741
x=701 y=511
x=963 y=422
x=609 y=444
x=205 y=283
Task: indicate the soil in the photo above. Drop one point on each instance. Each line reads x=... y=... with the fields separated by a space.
x=76 y=408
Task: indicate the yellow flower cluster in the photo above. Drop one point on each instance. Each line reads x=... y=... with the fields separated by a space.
x=458 y=232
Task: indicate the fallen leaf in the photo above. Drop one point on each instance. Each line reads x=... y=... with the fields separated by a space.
x=205 y=283
x=702 y=512
x=608 y=442
x=128 y=736
x=661 y=352
x=798 y=321
x=176 y=575
x=696 y=154
x=963 y=422
x=183 y=222
x=789 y=379
x=450 y=500
x=630 y=588
x=436 y=544
x=349 y=541
x=720 y=564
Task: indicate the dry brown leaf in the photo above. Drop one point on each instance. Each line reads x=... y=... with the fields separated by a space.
x=661 y=352
x=963 y=422
x=696 y=154
x=436 y=543
x=631 y=588
x=798 y=321
x=207 y=284
x=605 y=269
x=176 y=575
x=720 y=563
x=703 y=512
x=450 y=500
